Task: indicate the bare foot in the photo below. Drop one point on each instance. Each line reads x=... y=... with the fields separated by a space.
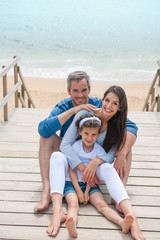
x=127 y=222
x=136 y=232
x=71 y=226
x=54 y=226
x=43 y=203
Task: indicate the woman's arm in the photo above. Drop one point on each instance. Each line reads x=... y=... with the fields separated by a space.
x=69 y=138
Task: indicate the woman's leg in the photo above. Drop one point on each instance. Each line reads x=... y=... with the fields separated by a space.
x=116 y=189
x=135 y=230
x=58 y=170
x=97 y=200
x=58 y=215
x=72 y=214
x=107 y=173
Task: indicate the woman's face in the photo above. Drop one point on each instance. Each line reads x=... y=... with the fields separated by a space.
x=110 y=105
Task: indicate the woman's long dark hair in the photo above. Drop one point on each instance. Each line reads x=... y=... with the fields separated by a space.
x=116 y=133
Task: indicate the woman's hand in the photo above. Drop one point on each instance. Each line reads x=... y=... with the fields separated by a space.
x=90 y=172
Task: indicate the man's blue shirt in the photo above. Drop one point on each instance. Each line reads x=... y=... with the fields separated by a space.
x=51 y=124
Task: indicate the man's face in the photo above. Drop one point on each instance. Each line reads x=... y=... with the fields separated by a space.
x=79 y=92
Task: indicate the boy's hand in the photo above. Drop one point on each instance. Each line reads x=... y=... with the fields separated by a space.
x=86 y=197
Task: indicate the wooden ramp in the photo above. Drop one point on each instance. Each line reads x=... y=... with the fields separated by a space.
x=20 y=182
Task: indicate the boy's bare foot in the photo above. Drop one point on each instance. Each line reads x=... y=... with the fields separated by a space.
x=43 y=203
x=127 y=222
x=53 y=228
x=136 y=232
x=71 y=226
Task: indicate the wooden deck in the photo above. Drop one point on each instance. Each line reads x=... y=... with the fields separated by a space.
x=20 y=182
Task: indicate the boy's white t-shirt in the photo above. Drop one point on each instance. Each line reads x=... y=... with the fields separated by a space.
x=85 y=157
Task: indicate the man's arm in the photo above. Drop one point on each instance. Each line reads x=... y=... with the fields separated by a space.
x=59 y=115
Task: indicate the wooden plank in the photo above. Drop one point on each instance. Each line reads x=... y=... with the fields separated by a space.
x=32 y=233
x=35 y=196
x=28 y=174
x=24 y=219
x=28 y=183
x=27 y=207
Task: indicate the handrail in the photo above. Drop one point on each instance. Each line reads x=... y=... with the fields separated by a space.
x=6 y=69
x=7 y=97
x=16 y=90
x=153 y=96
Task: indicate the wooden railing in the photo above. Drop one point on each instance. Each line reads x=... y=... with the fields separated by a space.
x=19 y=90
x=153 y=97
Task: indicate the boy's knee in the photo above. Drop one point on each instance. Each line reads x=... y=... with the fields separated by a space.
x=101 y=205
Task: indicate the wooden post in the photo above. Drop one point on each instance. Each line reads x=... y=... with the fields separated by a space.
x=5 y=109
x=15 y=81
x=152 y=97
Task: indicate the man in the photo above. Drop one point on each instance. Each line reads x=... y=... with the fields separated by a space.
x=78 y=87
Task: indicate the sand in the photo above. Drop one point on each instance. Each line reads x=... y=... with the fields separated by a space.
x=47 y=92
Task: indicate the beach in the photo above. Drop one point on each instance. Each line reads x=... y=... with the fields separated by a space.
x=46 y=92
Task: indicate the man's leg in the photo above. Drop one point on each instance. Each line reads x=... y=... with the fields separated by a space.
x=47 y=147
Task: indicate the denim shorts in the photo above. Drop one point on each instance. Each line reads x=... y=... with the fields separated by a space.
x=68 y=188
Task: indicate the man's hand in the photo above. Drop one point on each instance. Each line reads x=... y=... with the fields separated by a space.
x=120 y=164
x=88 y=107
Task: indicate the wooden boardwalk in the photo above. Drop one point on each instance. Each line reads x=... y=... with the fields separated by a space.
x=20 y=182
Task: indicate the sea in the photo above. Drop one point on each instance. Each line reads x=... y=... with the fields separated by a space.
x=112 y=40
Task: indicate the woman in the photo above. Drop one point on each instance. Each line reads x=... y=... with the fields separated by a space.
x=113 y=115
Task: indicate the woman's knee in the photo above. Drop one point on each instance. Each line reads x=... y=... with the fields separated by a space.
x=58 y=158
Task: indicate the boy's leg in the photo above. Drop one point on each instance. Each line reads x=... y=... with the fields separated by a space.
x=97 y=200
x=47 y=147
x=72 y=214
x=58 y=215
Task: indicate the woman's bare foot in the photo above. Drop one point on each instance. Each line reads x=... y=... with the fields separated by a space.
x=43 y=203
x=71 y=226
x=136 y=232
x=127 y=222
x=54 y=226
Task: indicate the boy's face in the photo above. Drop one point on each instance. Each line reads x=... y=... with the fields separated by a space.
x=79 y=92
x=89 y=136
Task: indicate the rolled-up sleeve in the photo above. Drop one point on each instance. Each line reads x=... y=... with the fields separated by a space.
x=131 y=127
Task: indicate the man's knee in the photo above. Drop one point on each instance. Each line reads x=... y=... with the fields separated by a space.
x=50 y=144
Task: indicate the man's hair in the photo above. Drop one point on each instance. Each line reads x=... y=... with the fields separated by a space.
x=77 y=76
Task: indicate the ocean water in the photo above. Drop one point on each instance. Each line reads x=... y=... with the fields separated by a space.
x=113 y=40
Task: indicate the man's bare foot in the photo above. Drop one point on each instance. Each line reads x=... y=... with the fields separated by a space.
x=127 y=222
x=71 y=226
x=54 y=226
x=136 y=232
x=43 y=203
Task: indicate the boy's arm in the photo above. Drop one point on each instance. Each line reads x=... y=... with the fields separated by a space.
x=74 y=179
x=86 y=194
